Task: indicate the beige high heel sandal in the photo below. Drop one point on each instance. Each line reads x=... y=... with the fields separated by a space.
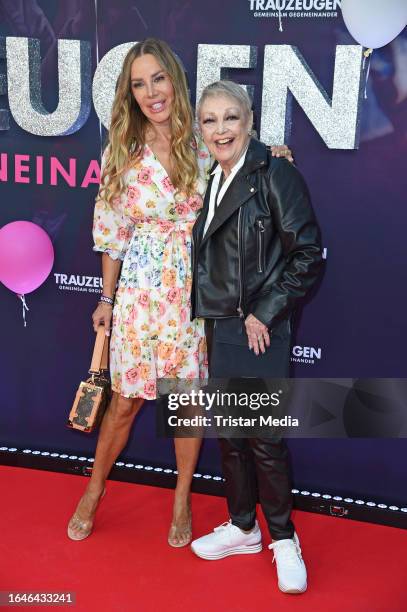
x=183 y=533
x=86 y=527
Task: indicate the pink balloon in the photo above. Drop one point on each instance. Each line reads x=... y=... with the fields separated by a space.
x=26 y=256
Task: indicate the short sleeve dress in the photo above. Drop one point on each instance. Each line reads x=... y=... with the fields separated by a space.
x=149 y=227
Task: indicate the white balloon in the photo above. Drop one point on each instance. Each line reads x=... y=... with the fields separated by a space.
x=374 y=23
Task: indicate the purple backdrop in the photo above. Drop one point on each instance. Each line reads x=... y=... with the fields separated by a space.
x=356 y=317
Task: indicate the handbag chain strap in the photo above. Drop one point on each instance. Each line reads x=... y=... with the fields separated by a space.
x=100 y=352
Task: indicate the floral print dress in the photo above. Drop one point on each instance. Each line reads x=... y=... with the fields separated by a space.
x=149 y=228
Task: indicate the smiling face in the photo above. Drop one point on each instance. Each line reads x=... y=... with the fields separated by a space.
x=152 y=89
x=225 y=129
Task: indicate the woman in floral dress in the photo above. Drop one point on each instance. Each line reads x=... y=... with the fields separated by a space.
x=153 y=179
x=154 y=174
x=150 y=229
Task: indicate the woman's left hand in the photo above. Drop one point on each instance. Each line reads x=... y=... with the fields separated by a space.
x=258 y=334
x=282 y=151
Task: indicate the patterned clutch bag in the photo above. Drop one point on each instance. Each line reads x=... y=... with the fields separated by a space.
x=93 y=395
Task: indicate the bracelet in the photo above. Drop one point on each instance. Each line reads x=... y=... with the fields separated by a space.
x=106 y=300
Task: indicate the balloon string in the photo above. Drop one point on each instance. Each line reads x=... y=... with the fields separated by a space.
x=25 y=307
x=367 y=75
x=367 y=53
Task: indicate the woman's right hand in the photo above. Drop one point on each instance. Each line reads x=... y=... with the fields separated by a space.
x=103 y=316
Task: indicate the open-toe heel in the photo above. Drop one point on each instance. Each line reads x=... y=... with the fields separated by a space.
x=78 y=529
x=179 y=536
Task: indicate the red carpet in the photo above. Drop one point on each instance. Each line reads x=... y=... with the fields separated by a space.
x=126 y=565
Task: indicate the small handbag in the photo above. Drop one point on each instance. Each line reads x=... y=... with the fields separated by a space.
x=93 y=395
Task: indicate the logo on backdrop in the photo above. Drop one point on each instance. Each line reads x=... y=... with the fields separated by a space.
x=306 y=354
x=295 y=8
x=78 y=282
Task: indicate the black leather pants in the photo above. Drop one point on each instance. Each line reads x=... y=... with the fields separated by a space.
x=258 y=468
x=254 y=468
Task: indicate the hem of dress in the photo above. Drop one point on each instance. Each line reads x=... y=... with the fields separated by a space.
x=138 y=396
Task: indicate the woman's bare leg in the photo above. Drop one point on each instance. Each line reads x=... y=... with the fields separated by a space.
x=186 y=453
x=113 y=436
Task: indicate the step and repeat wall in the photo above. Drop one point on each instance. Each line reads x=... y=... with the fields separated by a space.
x=343 y=115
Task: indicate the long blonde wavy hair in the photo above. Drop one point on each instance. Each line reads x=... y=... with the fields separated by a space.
x=127 y=133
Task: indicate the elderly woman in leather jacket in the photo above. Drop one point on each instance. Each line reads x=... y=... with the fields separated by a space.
x=256 y=251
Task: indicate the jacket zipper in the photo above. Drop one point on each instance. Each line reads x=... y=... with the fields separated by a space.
x=239 y=250
x=260 y=231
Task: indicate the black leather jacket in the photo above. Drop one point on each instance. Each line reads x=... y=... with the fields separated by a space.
x=262 y=250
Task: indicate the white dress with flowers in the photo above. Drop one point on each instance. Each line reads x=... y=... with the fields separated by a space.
x=149 y=227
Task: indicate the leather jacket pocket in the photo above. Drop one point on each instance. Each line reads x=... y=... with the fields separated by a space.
x=261 y=264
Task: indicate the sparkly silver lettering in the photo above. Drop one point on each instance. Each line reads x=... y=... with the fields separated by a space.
x=214 y=60
x=105 y=79
x=4 y=114
x=24 y=86
x=287 y=74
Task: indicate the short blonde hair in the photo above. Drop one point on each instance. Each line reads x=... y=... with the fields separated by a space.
x=228 y=89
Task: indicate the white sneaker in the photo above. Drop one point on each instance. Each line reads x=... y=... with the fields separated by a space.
x=291 y=571
x=227 y=539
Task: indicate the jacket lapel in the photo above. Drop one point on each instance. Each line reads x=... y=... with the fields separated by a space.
x=201 y=220
x=238 y=192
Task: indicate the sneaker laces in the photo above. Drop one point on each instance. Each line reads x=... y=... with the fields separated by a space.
x=225 y=531
x=224 y=526
x=289 y=552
